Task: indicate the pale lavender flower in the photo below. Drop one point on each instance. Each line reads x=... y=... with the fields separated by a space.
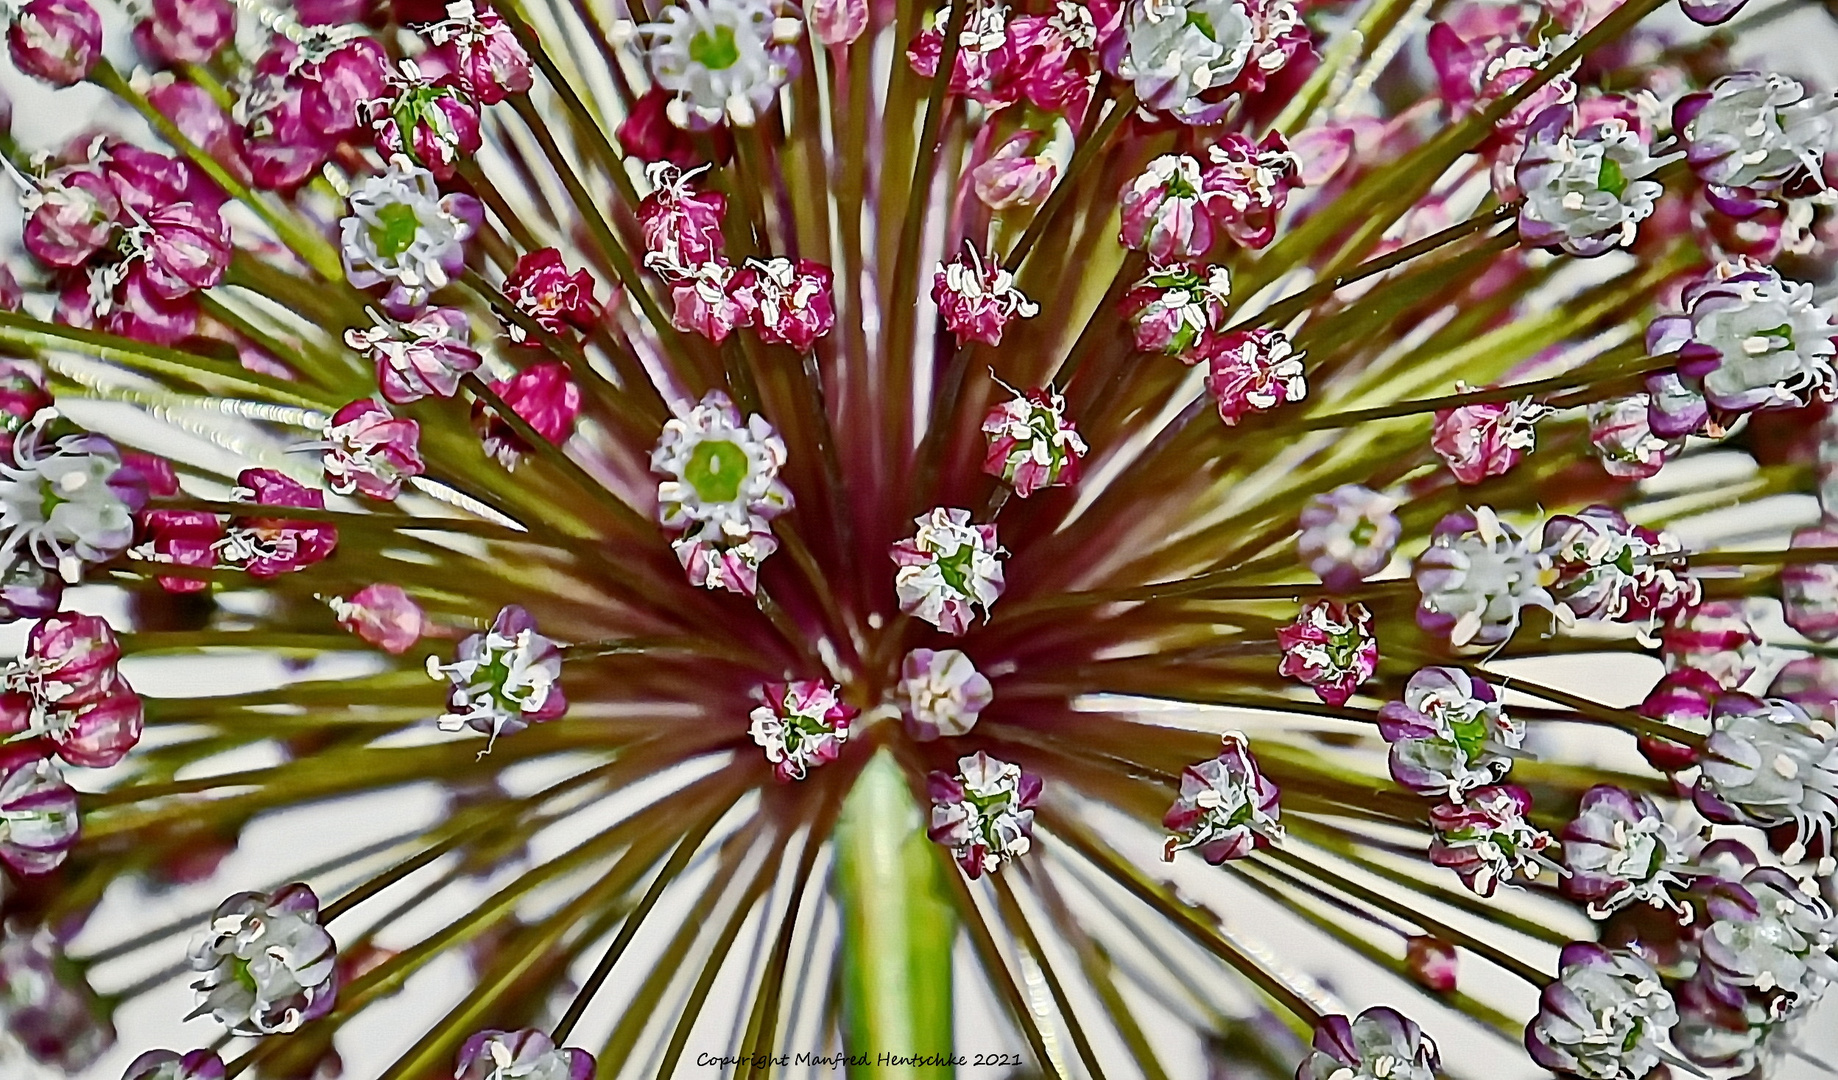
x=402 y=232
x=800 y=725
x=1449 y=735
x=1348 y=535
x=1587 y=192
x=503 y=680
x=1477 y=578
x=520 y=1055
x=267 y=964
x=1605 y=1018
x=1378 y=1044
x=1750 y=339
x=1225 y=805
x=38 y=816
x=1619 y=850
x=940 y=693
x=1768 y=763
x=1749 y=133
x=947 y=569
x=1773 y=933
x=985 y=813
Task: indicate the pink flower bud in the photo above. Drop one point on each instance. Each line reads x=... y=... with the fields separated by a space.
x=443 y=128
x=91 y=714
x=838 y=22
x=1162 y=213
x=425 y=355
x=542 y=288
x=1014 y=177
x=74 y=218
x=1716 y=639
x=703 y=304
x=371 y=451
x=333 y=89
x=201 y=119
x=58 y=41
x=485 y=54
x=648 y=135
x=145 y=313
x=187 y=248
x=270 y=546
x=1246 y=185
x=145 y=180
x=786 y=302
x=1253 y=371
x=382 y=615
x=184 y=538
x=1431 y=962
x=1485 y=439
x=185 y=31
x=544 y=395
x=1809 y=591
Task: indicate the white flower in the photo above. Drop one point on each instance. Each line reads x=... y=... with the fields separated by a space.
x=1584 y=193
x=941 y=693
x=1179 y=49
x=1751 y=130
x=502 y=680
x=723 y=472
x=402 y=231
x=269 y=966
x=57 y=502
x=723 y=59
x=984 y=814
x=948 y=567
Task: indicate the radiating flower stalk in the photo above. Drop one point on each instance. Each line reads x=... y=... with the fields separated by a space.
x=805 y=488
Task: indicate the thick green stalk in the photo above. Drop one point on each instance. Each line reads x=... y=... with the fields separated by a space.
x=897 y=926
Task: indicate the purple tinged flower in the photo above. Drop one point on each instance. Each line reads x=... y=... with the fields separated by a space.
x=1585 y=193
x=185 y=31
x=985 y=813
x=724 y=60
x=1605 y=1017
x=837 y=22
x=1014 y=175
x=520 y=1055
x=185 y=247
x=71 y=216
x=1246 y=185
x=1192 y=58
x=948 y=568
x=1608 y=568
x=265 y=547
x=1811 y=682
x=1683 y=699
x=145 y=180
x=800 y=725
x=1485 y=439
x=1348 y=535
x=721 y=488
x=1747 y=339
x=1177 y=308
x=1253 y=371
x=267 y=965
x=1772 y=933
x=434 y=123
x=67 y=691
x=977 y=298
x=1621 y=431
x=171 y=1065
x=1711 y=12
x=544 y=395
x=1749 y=134
x=481 y=48
x=1449 y=735
x=940 y=693
x=1330 y=648
x=1477 y=578
x=542 y=288
x=423 y=355
x=38 y=815
x=1432 y=962
x=786 y=301
x=1031 y=443
x=503 y=680
x=1715 y=638
x=1768 y=763
x=701 y=300
x=402 y=232
x=1378 y=1044
x=382 y=615
x=681 y=226
x=984 y=57
x=730 y=560
x=1487 y=840
x=1619 y=850
x=1225 y=806
x=46 y=1009
x=1676 y=408
x=65 y=500
x=58 y=41
x=1809 y=591
x=370 y=450
x=1162 y=210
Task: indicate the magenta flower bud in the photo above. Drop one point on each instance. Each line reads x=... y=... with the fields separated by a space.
x=1717 y=639
x=1031 y=443
x=838 y=22
x=83 y=706
x=985 y=813
x=479 y=47
x=185 y=31
x=371 y=451
x=647 y=134
x=266 y=547
x=1226 y=807
x=184 y=538
x=58 y=41
x=1162 y=211
x=1622 y=433
x=145 y=313
x=168 y=1065
x=382 y=615
x=800 y=725
x=1683 y=699
x=284 y=150
x=787 y=302
x=201 y=119
x=1809 y=591
x=442 y=125
x=38 y=815
x=1485 y=439
x=984 y=58
x=1487 y=840
x=333 y=89
x=977 y=298
x=542 y=288
x=145 y=180
x=1348 y=535
x=1051 y=59
x=74 y=217
x=75 y=656
x=187 y=248
x=702 y=303
x=1811 y=682
x=1329 y=647
x=681 y=226
x=1253 y=371
x=424 y=355
x=545 y=395
x=504 y=1055
x=1378 y=1044
x=1246 y=185
x=1432 y=962
x=1013 y=176
x=1177 y=309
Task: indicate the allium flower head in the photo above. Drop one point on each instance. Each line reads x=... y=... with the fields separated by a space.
x=978 y=298
x=1031 y=443
x=1586 y=192
x=520 y=1055
x=1768 y=763
x=1253 y=371
x=1176 y=307
x=502 y=680
x=723 y=59
x=948 y=568
x=1487 y=840
x=1225 y=806
x=1378 y=1044
x=1620 y=850
x=800 y=725
x=1486 y=439
x=1330 y=647
x=941 y=693
x=267 y=965
x=1749 y=339
x=1348 y=535
x=401 y=231
x=1477 y=578
x=984 y=813
x=1449 y=735
x=1750 y=133
x=1605 y=1018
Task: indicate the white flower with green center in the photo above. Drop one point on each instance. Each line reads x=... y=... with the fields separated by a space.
x=723 y=59
x=401 y=230
x=721 y=472
x=57 y=502
x=1180 y=49
x=948 y=567
x=502 y=680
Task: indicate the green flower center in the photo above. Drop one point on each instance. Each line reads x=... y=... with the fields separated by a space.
x=1470 y=734
x=1199 y=21
x=1610 y=177
x=1363 y=532
x=716 y=470
x=715 y=51
x=955 y=569
x=395 y=230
